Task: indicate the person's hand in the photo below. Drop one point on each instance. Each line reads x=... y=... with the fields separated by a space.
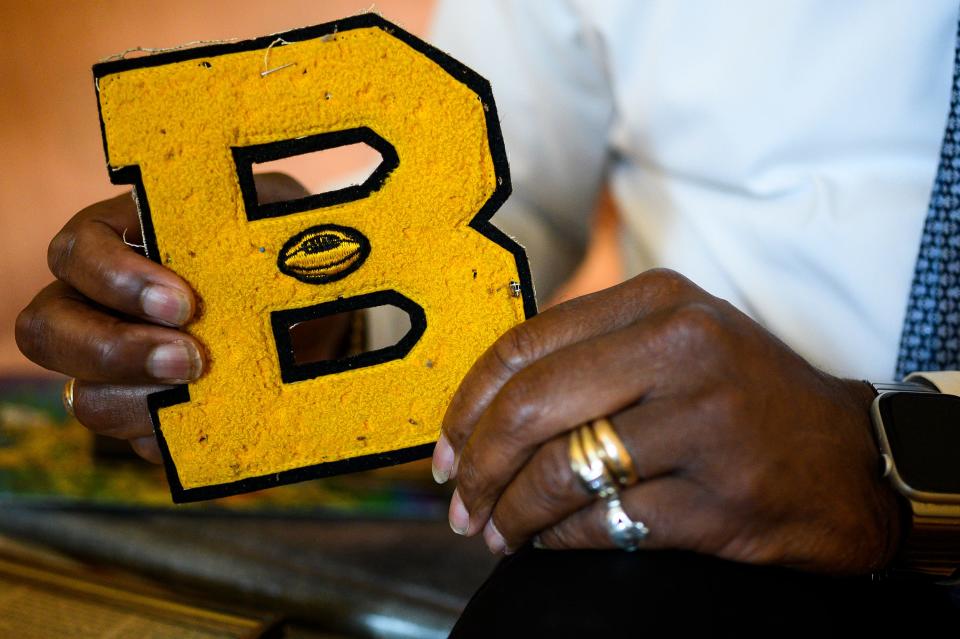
x=745 y=451
x=114 y=319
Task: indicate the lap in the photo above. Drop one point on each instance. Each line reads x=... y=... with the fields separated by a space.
x=594 y=593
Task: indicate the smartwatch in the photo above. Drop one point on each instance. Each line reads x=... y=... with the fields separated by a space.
x=918 y=432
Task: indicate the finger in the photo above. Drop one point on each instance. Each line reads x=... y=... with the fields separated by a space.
x=114 y=410
x=560 y=326
x=277 y=187
x=524 y=344
x=148 y=448
x=91 y=255
x=60 y=331
x=575 y=384
x=677 y=512
x=546 y=490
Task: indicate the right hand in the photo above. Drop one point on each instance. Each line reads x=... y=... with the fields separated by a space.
x=114 y=319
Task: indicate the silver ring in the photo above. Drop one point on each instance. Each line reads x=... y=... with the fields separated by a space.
x=625 y=533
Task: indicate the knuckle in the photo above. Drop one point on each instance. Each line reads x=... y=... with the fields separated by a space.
x=515 y=407
x=750 y=488
x=554 y=483
x=470 y=479
x=455 y=433
x=60 y=252
x=665 y=276
x=694 y=325
x=125 y=282
x=663 y=280
x=31 y=333
x=514 y=399
x=112 y=353
x=516 y=348
x=698 y=321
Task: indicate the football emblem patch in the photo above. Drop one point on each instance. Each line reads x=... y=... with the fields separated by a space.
x=323 y=254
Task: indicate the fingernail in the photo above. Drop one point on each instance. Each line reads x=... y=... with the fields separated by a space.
x=442 y=459
x=174 y=362
x=459 y=517
x=495 y=541
x=165 y=304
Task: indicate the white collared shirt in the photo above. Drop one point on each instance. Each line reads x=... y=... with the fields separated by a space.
x=779 y=154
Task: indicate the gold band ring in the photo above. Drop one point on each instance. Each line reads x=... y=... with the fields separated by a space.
x=614 y=454
x=589 y=468
x=67 y=396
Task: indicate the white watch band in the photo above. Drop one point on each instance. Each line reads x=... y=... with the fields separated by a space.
x=944 y=381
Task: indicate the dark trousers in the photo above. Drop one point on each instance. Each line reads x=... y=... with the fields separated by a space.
x=543 y=593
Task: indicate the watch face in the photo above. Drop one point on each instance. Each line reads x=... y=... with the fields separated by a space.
x=923 y=430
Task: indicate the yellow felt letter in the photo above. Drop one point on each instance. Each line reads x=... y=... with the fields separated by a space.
x=187 y=126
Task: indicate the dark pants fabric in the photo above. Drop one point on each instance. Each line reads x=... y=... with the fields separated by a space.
x=543 y=593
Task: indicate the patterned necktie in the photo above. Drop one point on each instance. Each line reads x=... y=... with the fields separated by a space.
x=931 y=330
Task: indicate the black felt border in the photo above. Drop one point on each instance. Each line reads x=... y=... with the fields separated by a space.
x=281 y=321
x=246 y=156
x=481 y=223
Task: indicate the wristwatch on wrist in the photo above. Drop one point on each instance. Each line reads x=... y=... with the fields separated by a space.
x=918 y=431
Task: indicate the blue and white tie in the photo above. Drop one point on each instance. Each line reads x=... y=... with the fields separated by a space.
x=931 y=329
